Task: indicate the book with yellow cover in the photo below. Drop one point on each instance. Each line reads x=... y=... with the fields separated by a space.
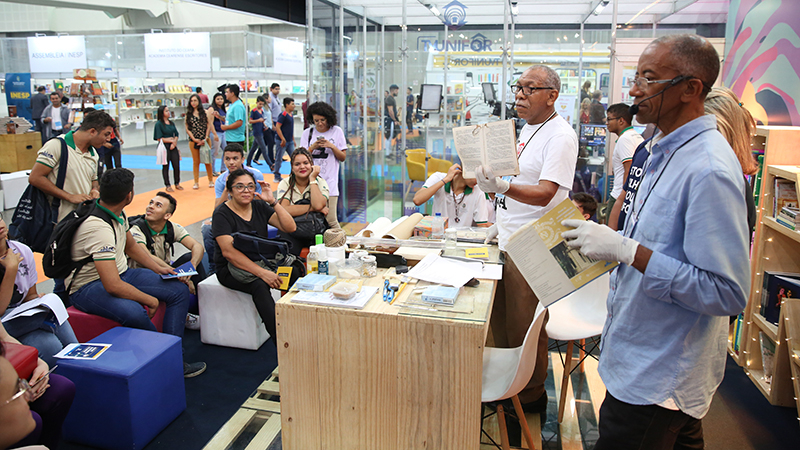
x=553 y=269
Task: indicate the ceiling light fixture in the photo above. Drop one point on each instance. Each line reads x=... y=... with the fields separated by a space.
x=514 y=9
x=600 y=7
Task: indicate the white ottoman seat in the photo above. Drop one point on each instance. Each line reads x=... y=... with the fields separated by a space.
x=229 y=318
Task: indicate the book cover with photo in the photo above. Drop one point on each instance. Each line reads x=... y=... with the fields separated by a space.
x=553 y=269
x=777 y=287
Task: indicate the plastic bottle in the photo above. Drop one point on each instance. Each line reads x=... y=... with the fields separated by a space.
x=322 y=256
x=312 y=259
x=318 y=239
x=437 y=227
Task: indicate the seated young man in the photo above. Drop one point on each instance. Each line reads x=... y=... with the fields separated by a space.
x=233 y=158
x=455 y=197
x=157 y=234
x=107 y=287
x=586 y=204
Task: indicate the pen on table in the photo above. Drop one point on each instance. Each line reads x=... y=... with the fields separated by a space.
x=399 y=291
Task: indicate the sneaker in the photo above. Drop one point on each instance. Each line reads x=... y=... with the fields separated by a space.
x=257 y=163
x=278 y=179
x=191 y=370
x=192 y=321
x=214 y=174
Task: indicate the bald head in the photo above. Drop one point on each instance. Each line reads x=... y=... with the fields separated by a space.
x=691 y=55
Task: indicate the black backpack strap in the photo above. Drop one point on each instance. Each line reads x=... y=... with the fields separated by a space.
x=62 y=173
x=169 y=242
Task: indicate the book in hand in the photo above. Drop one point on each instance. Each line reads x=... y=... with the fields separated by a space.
x=492 y=145
x=552 y=269
x=184 y=270
x=89 y=351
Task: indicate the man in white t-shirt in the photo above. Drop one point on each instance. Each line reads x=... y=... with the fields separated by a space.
x=547 y=151
x=619 y=122
x=458 y=199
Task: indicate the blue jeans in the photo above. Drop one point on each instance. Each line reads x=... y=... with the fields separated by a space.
x=42 y=332
x=258 y=148
x=279 y=150
x=269 y=138
x=94 y=299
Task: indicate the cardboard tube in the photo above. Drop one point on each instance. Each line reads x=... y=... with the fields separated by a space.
x=404 y=229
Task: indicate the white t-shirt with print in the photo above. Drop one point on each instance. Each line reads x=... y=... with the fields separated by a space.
x=329 y=165
x=472 y=207
x=551 y=155
x=623 y=152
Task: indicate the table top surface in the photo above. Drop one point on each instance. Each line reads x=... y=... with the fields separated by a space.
x=471 y=307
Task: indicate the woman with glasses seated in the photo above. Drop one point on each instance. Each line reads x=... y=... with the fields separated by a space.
x=303 y=193
x=241 y=214
x=31 y=411
x=327 y=145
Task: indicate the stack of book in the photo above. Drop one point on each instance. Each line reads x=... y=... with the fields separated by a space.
x=785 y=195
x=789 y=217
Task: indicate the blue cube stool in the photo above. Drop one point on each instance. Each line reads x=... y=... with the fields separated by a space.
x=129 y=394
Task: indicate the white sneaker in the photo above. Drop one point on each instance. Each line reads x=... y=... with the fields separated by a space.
x=192 y=321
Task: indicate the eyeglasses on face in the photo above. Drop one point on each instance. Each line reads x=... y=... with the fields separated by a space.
x=608 y=119
x=642 y=82
x=24 y=390
x=239 y=187
x=528 y=90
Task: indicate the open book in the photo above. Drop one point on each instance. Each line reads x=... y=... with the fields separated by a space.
x=490 y=145
x=552 y=269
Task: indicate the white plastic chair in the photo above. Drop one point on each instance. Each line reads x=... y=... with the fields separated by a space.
x=506 y=371
x=576 y=317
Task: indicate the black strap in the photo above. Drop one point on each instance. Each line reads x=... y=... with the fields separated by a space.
x=62 y=173
x=107 y=219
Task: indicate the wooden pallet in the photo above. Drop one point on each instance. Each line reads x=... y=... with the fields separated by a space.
x=256 y=424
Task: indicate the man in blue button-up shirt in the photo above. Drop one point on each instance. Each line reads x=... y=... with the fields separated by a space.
x=684 y=255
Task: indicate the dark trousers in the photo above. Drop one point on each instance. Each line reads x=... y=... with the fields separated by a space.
x=49 y=412
x=174 y=157
x=37 y=125
x=262 y=296
x=632 y=427
x=269 y=139
x=113 y=158
x=257 y=149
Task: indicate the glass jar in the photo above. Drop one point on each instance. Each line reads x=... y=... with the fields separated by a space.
x=369 y=266
x=450 y=238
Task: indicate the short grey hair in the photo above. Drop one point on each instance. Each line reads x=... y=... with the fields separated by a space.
x=550 y=76
x=692 y=55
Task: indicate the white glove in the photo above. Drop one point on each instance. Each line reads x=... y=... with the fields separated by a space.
x=599 y=241
x=491 y=233
x=490 y=183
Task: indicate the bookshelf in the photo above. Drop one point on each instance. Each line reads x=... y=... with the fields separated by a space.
x=791 y=310
x=778 y=144
x=777 y=249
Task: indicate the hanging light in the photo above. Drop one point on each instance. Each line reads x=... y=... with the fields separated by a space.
x=600 y=7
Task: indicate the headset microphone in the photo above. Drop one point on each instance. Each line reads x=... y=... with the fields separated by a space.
x=634 y=109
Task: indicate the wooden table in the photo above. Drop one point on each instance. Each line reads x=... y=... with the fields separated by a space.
x=384 y=377
x=19 y=151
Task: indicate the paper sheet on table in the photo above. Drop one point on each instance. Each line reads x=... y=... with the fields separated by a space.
x=48 y=302
x=327 y=299
x=479 y=270
x=436 y=269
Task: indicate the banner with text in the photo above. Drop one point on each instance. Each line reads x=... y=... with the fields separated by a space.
x=56 y=53
x=289 y=57
x=177 y=52
x=18 y=93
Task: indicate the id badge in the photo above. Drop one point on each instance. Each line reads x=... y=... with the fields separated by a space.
x=57 y=124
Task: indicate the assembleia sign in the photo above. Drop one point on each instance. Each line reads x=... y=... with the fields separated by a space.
x=56 y=53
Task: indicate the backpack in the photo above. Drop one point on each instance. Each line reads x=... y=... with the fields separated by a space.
x=57 y=260
x=35 y=217
x=141 y=222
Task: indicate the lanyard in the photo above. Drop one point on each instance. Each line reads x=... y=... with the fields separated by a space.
x=534 y=134
x=633 y=212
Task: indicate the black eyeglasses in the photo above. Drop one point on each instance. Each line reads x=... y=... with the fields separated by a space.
x=612 y=118
x=527 y=90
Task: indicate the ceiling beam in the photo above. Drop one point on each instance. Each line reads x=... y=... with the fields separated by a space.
x=677 y=6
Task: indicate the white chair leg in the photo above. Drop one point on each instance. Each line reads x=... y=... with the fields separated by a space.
x=523 y=422
x=501 y=421
x=565 y=381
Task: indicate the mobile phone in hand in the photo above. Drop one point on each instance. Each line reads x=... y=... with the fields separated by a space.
x=43 y=377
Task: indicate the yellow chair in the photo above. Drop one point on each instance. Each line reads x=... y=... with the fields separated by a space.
x=415 y=164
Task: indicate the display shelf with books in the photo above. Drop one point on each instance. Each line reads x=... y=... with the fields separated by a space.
x=776 y=265
x=775 y=145
x=791 y=308
x=138 y=101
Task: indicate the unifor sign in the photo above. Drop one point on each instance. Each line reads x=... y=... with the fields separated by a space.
x=477 y=43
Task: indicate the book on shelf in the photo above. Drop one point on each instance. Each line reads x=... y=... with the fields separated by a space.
x=785 y=195
x=737 y=332
x=491 y=145
x=96 y=89
x=148 y=116
x=128 y=103
x=160 y=87
x=767 y=356
x=777 y=287
x=551 y=268
x=138 y=103
x=789 y=217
